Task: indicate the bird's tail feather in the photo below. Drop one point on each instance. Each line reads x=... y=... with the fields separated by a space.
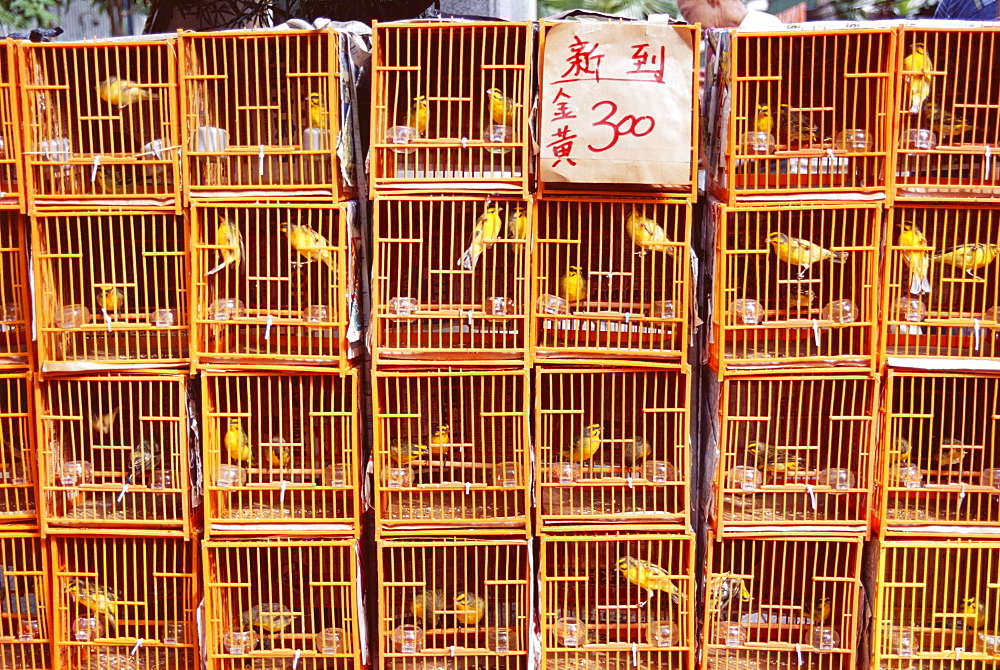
x=469 y=260
x=919 y=283
x=217 y=268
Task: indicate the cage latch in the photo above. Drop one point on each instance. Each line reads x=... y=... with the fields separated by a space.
x=798 y=652
x=628 y=480
x=267 y=326
x=452 y=649
x=958 y=653
x=260 y=161
x=124 y=490
x=812 y=495
x=977 y=334
x=961 y=494
x=816 y=331
x=295 y=659
x=635 y=655
x=138 y=645
x=468 y=488
x=284 y=487
x=94 y=168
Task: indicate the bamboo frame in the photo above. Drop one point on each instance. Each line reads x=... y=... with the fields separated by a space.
x=25 y=602
x=11 y=171
x=18 y=453
x=16 y=350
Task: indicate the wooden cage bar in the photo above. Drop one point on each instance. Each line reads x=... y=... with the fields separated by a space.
x=18 y=453
x=11 y=176
x=25 y=603
x=15 y=297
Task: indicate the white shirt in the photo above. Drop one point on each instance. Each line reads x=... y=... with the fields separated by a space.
x=755 y=20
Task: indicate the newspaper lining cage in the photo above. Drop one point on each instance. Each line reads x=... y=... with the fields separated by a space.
x=100 y=123
x=617 y=601
x=947 y=113
x=11 y=181
x=283 y=603
x=18 y=453
x=15 y=299
x=455 y=603
x=274 y=284
x=114 y=455
x=612 y=447
x=795 y=452
x=611 y=278
x=124 y=602
x=25 y=605
x=262 y=114
x=282 y=453
x=783 y=602
x=940 y=461
x=451 y=450
x=795 y=286
x=936 y=604
x=803 y=110
x=450 y=279
x=942 y=285
x=111 y=290
x=450 y=106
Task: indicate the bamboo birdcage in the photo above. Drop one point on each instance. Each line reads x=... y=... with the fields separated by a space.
x=433 y=125
x=451 y=450
x=800 y=111
x=283 y=603
x=940 y=455
x=274 y=284
x=263 y=113
x=125 y=602
x=795 y=452
x=282 y=453
x=612 y=279
x=779 y=602
x=612 y=447
x=100 y=124
x=11 y=179
x=25 y=603
x=773 y=313
x=617 y=601
x=936 y=605
x=15 y=297
x=114 y=455
x=18 y=453
x=942 y=286
x=454 y=603
x=450 y=279
x=947 y=113
x=111 y=290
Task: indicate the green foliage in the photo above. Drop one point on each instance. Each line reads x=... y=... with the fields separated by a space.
x=27 y=14
x=862 y=10
x=634 y=9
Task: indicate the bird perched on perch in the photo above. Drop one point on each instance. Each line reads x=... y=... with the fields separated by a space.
x=231 y=246
x=517 y=225
x=764 y=122
x=102 y=423
x=975 y=612
x=114 y=179
x=636 y=450
x=817 y=609
x=417 y=116
x=727 y=589
x=440 y=439
x=310 y=244
x=951 y=452
x=145 y=456
x=650 y=577
x=802 y=253
x=319 y=117
x=237 y=442
x=773 y=459
x=901 y=450
x=800 y=296
x=110 y=299
x=122 y=92
x=279 y=454
x=268 y=617
x=945 y=123
x=969 y=257
x=573 y=285
x=918 y=66
x=484 y=234
x=469 y=608
x=648 y=234
x=96 y=598
x=427 y=605
x=404 y=451
x=918 y=261
x=501 y=107
x=796 y=126
x=585 y=445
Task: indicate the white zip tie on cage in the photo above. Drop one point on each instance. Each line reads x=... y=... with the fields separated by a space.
x=94 y=168
x=138 y=645
x=284 y=487
x=977 y=334
x=260 y=161
x=121 y=496
x=267 y=326
x=635 y=655
x=812 y=495
x=798 y=652
x=816 y=332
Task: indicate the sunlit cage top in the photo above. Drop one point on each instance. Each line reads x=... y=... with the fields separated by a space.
x=940 y=454
x=111 y=290
x=281 y=453
x=25 y=604
x=264 y=114
x=794 y=454
x=942 y=287
x=798 y=111
x=276 y=284
x=455 y=603
x=126 y=602
x=597 y=83
x=114 y=455
x=11 y=180
x=783 y=602
x=450 y=279
x=936 y=605
x=18 y=454
x=283 y=603
x=450 y=106
x=15 y=298
x=947 y=112
x=794 y=287
x=611 y=279
x=612 y=447
x=100 y=123
x=451 y=451
x=617 y=601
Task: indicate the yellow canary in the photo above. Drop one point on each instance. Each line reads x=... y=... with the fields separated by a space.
x=585 y=445
x=268 y=617
x=573 y=285
x=802 y=253
x=122 y=92
x=951 y=452
x=427 y=605
x=231 y=247
x=145 y=456
x=975 y=611
x=501 y=107
x=764 y=122
x=636 y=450
x=417 y=117
x=944 y=123
x=517 y=224
x=237 y=442
x=404 y=451
x=728 y=588
x=318 y=116
x=469 y=608
x=310 y=244
x=102 y=423
x=109 y=298
x=774 y=459
x=96 y=598
x=279 y=455
x=484 y=234
x=817 y=610
x=918 y=261
x=800 y=296
x=969 y=257
x=440 y=439
x=650 y=577
x=796 y=126
x=648 y=234
x=917 y=67
x=901 y=450
x=114 y=179
x=11 y=458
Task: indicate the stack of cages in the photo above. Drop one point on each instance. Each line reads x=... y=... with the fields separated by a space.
x=798 y=139
x=450 y=339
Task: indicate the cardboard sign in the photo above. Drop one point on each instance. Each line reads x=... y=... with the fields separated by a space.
x=616 y=104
